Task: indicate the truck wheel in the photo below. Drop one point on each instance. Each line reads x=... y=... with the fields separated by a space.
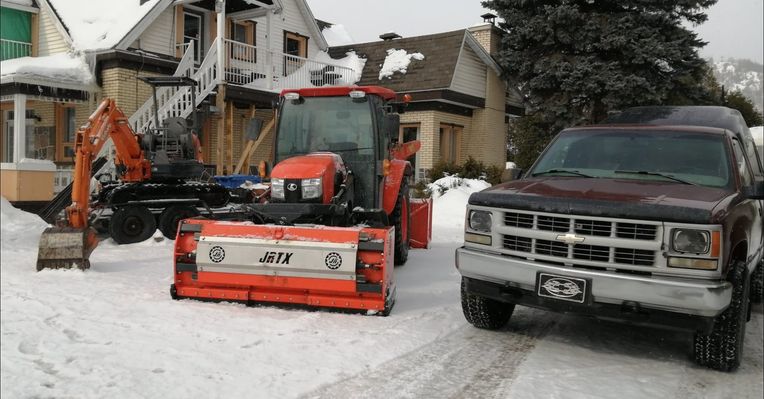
x=722 y=348
x=757 y=283
x=171 y=216
x=132 y=224
x=484 y=312
x=400 y=218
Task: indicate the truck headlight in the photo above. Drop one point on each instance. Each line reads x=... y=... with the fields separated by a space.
x=277 y=188
x=691 y=241
x=311 y=188
x=480 y=221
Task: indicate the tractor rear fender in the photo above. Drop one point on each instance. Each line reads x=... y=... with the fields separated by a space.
x=398 y=170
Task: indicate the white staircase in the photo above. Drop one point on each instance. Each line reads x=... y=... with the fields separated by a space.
x=176 y=102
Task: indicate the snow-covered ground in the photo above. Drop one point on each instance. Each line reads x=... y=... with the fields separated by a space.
x=113 y=331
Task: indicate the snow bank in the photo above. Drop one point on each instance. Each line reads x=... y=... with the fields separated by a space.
x=19 y=227
x=63 y=67
x=397 y=61
x=336 y=35
x=95 y=25
x=450 y=195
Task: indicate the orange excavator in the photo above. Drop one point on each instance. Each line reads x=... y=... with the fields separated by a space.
x=336 y=218
x=152 y=186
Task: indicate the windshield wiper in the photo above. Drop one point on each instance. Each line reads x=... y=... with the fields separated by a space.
x=646 y=173
x=573 y=172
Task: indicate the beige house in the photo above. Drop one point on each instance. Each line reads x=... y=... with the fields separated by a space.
x=460 y=105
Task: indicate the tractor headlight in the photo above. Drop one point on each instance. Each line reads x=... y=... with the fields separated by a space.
x=480 y=221
x=277 y=188
x=691 y=241
x=311 y=188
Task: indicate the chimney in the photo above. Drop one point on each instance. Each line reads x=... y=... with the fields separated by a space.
x=389 y=36
x=488 y=17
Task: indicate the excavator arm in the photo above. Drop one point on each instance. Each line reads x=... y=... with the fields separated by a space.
x=70 y=246
x=107 y=121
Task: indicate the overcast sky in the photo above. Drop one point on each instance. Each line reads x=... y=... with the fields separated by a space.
x=734 y=29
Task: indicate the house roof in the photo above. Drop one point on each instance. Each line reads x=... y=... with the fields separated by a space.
x=436 y=71
x=101 y=25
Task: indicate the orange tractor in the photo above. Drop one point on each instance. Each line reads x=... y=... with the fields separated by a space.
x=334 y=221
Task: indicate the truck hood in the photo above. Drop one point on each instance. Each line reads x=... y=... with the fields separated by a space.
x=620 y=198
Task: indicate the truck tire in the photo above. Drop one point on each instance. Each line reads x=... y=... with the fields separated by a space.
x=722 y=348
x=131 y=224
x=757 y=283
x=172 y=215
x=401 y=218
x=484 y=312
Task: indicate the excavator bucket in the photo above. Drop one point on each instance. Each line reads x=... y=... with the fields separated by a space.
x=347 y=268
x=66 y=248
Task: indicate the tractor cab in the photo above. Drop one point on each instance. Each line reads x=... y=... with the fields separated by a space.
x=338 y=137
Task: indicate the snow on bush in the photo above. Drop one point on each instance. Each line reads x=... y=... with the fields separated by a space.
x=450 y=195
x=397 y=61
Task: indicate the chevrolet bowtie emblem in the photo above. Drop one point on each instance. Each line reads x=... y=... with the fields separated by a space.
x=570 y=239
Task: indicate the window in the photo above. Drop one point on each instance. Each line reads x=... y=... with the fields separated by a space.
x=754 y=158
x=410 y=132
x=450 y=142
x=16 y=34
x=8 y=136
x=243 y=32
x=66 y=130
x=296 y=48
x=192 y=31
x=742 y=165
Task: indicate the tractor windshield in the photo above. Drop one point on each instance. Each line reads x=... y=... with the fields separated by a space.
x=336 y=124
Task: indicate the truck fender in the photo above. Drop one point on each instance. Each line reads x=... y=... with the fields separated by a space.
x=398 y=170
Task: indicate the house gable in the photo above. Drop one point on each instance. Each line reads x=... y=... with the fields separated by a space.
x=470 y=73
x=52 y=36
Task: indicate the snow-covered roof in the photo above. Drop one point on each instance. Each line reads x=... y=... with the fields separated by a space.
x=336 y=35
x=397 y=61
x=63 y=70
x=98 y=25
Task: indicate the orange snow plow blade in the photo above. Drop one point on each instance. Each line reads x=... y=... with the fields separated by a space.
x=335 y=267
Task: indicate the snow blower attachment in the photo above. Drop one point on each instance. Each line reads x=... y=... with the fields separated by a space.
x=335 y=267
x=336 y=218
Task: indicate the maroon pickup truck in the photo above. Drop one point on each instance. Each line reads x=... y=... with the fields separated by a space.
x=654 y=218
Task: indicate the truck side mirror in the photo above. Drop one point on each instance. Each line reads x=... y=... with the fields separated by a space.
x=756 y=190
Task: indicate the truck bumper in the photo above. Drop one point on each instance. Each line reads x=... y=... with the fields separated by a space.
x=633 y=293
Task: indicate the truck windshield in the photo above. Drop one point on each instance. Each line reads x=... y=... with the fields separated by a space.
x=677 y=157
x=337 y=124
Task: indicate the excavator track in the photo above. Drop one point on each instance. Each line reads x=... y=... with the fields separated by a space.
x=210 y=194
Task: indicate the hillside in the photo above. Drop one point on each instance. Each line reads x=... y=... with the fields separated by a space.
x=743 y=75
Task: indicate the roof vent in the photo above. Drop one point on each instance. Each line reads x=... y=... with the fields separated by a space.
x=488 y=17
x=389 y=36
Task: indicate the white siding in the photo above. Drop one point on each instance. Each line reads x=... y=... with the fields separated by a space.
x=290 y=20
x=51 y=41
x=470 y=74
x=159 y=37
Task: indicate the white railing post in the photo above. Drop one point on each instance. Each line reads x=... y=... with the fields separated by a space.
x=220 y=9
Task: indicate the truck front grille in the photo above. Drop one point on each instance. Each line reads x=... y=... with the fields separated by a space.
x=603 y=242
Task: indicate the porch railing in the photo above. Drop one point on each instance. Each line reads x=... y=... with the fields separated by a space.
x=10 y=49
x=257 y=67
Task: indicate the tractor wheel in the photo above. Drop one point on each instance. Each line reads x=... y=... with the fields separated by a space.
x=485 y=313
x=132 y=224
x=171 y=216
x=722 y=348
x=400 y=218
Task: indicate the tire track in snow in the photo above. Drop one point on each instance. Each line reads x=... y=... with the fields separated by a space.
x=466 y=363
